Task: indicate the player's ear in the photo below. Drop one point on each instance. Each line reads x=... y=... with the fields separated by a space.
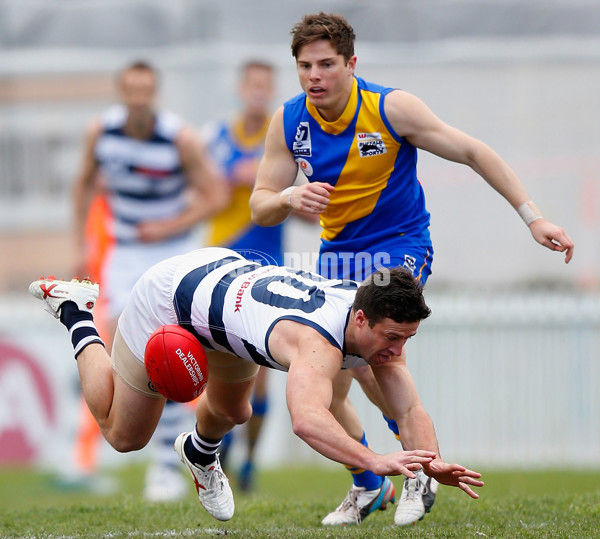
x=352 y=65
x=360 y=318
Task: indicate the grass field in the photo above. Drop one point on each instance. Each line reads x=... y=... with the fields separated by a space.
x=290 y=504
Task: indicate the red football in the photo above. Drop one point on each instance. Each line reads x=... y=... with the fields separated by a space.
x=176 y=363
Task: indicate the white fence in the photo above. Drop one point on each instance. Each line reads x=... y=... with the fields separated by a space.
x=509 y=380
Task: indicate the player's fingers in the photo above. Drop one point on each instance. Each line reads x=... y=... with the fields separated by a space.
x=566 y=244
x=470 y=480
x=326 y=186
x=569 y=254
x=561 y=248
x=405 y=470
x=422 y=453
x=465 y=488
x=470 y=473
x=311 y=206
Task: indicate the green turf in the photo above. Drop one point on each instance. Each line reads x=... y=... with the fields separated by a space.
x=290 y=503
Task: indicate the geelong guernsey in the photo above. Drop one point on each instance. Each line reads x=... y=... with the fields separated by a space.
x=143 y=178
x=232 y=304
x=378 y=201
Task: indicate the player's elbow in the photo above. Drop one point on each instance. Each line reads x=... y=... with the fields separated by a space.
x=262 y=214
x=301 y=425
x=258 y=217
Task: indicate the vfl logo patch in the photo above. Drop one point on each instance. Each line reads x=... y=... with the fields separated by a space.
x=370 y=144
x=302 y=146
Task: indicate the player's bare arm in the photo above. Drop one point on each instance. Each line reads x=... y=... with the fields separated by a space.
x=83 y=189
x=208 y=191
x=313 y=363
x=412 y=119
x=404 y=405
x=415 y=426
x=274 y=195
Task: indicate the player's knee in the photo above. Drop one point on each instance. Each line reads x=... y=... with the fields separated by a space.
x=237 y=414
x=242 y=414
x=125 y=443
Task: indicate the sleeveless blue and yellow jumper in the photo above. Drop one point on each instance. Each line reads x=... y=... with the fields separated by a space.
x=378 y=205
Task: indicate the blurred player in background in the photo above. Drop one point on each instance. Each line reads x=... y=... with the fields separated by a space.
x=144 y=184
x=237 y=146
x=357 y=143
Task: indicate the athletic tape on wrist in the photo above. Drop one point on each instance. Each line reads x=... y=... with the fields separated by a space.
x=287 y=192
x=528 y=212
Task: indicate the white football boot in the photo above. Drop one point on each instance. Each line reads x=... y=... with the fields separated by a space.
x=54 y=292
x=212 y=484
x=416 y=499
x=359 y=503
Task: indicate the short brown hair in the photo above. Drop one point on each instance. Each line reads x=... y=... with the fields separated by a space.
x=328 y=26
x=391 y=293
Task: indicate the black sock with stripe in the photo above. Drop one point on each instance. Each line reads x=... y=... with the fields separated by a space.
x=200 y=450
x=80 y=324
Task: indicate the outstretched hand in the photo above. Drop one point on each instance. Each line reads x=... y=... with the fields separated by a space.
x=403 y=462
x=553 y=237
x=454 y=475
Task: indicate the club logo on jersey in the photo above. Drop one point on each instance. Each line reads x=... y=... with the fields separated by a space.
x=305 y=166
x=302 y=146
x=370 y=144
x=410 y=263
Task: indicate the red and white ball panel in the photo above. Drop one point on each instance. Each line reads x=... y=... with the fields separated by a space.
x=176 y=363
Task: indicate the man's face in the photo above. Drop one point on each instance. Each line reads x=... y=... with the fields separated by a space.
x=256 y=90
x=324 y=75
x=138 y=91
x=386 y=339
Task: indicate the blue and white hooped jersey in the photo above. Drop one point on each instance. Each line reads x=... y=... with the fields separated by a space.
x=378 y=199
x=143 y=178
x=232 y=304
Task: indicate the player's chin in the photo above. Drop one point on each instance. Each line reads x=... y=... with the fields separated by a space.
x=379 y=359
x=318 y=99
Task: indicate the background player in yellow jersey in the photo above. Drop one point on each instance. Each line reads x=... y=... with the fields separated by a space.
x=357 y=144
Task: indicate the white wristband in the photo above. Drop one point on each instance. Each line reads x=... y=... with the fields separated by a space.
x=287 y=193
x=528 y=212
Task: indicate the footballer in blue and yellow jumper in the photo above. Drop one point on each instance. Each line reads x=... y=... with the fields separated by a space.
x=377 y=211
